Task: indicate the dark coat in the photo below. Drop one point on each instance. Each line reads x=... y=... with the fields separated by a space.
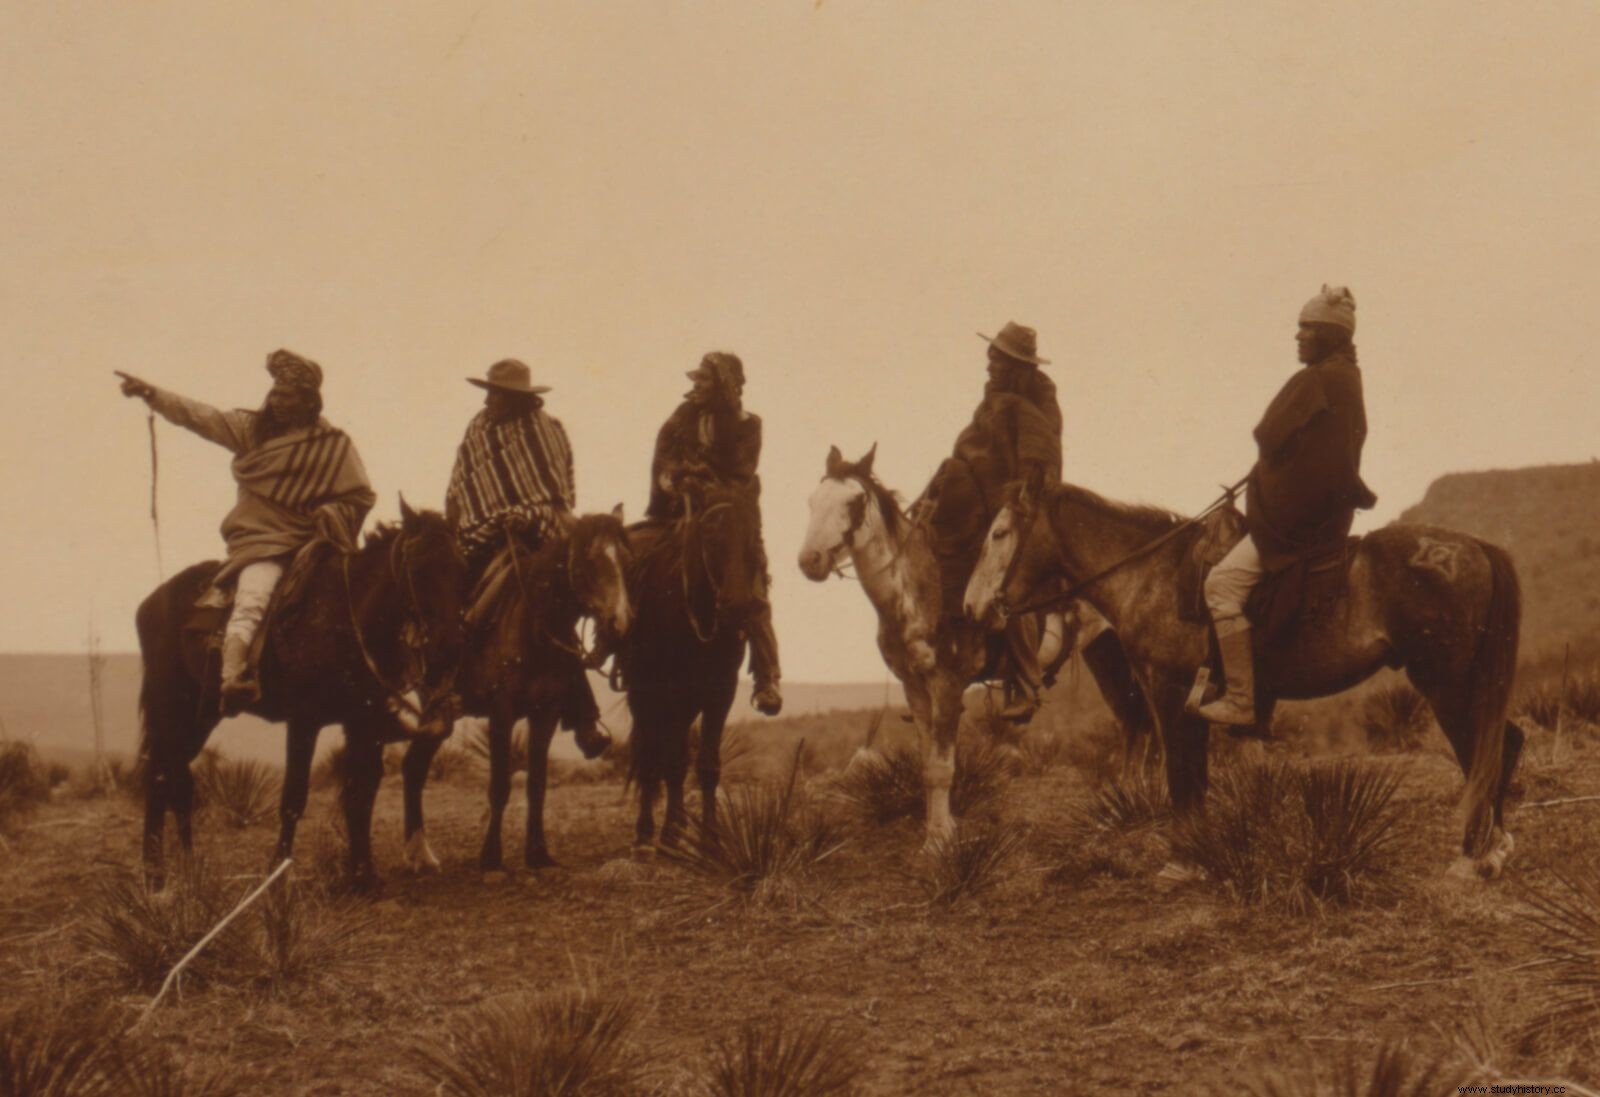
x=1306 y=484
x=725 y=443
x=1010 y=434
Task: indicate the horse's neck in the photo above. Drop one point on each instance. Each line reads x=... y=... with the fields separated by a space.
x=1092 y=540
x=890 y=568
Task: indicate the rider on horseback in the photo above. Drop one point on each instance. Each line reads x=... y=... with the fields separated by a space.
x=513 y=477
x=300 y=480
x=1303 y=491
x=1015 y=431
x=711 y=437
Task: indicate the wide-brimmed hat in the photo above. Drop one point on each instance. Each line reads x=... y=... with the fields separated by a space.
x=1016 y=341
x=509 y=375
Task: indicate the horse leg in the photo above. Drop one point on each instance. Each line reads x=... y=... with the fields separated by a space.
x=541 y=729
x=364 y=771
x=676 y=765
x=414 y=773
x=1449 y=701
x=1108 y=665
x=939 y=765
x=644 y=740
x=301 y=746
x=1185 y=740
x=491 y=857
x=708 y=761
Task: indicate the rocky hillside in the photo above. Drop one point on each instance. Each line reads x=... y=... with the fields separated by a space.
x=1549 y=518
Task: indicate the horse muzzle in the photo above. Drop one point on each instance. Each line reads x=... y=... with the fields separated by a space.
x=815 y=566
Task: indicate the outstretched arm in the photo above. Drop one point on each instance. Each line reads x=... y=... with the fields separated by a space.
x=228 y=429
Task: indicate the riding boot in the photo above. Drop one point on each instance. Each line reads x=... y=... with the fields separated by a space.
x=1236 y=707
x=1022 y=673
x=239 y=688
x=764 y=662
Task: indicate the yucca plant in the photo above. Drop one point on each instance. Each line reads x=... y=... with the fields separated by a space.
x=565 y=1043
x=134 y=1071
x=777 y=1058
x=242 y=792
x=142 y=934
x=1577 y=699
x=42 y=1055
x=1395 y=718
x=1041 y=752
x=304 y=935
x=891 y=787
x=24 y=781
x=1129 y=802
x=1293 y=837
x=767 y=843
x=1391 y=1071
x=968 y=863
x=1566 y=907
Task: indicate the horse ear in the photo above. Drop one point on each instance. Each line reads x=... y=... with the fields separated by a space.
x=835 y=465
x=407 y=515
x=864 y=466
x=616 y=512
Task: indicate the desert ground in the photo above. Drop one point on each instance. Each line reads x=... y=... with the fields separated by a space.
x=1041 y=956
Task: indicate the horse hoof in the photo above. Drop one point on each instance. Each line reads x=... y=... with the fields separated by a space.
x=419 y=854
x=541 y=860
x=644 y=851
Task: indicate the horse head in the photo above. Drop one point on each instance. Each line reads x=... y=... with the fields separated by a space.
x=1014 y=556
x=597 y=564
x=838 y=510
x=723 y=539
x=427 y=579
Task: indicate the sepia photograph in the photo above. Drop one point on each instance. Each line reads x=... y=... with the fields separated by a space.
x=813 y=548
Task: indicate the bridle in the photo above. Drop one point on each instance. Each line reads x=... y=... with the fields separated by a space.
x=1004 y=611
x=544 y=634
x=858 y=518
x=414 y=633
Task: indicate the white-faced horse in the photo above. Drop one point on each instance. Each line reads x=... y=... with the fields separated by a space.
x=854 y=517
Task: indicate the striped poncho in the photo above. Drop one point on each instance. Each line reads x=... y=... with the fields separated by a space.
x=520 y=467
x=302 y=484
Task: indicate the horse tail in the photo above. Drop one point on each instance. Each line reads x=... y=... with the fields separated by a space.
x=1494 y=666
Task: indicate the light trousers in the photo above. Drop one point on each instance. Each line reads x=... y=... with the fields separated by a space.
x=1229 y=585
x=251 y=597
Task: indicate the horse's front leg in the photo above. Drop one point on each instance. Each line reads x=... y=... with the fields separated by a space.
x=1185 y=739
x=541 y=729
x=364 y=771
x=414 y=771
x=708 y=762
x=501 y=718
x=939 y=765
x=299 y=749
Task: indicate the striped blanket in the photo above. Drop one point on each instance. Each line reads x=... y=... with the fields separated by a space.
x=520 y=467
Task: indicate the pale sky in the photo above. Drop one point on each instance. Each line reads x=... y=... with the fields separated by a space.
x=841 y=193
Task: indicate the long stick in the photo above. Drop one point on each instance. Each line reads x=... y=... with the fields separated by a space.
x=206 y=940
x=155 y=512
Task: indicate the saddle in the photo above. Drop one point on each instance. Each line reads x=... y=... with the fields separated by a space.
x=207 y=621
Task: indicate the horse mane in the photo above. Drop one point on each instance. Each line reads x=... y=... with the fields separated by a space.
x=385 y=533
x=888 y=503
x=1138 y=514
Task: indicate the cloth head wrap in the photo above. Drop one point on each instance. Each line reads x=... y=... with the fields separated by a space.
x=1334 y=305
x=288 y=368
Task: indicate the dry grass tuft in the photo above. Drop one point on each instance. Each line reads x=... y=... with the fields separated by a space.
x=45 y=1053
x=783 y=1059
x=768 y=844
x=242 y=792
x=24 y=781
x=306 y=935
x=1547 y=704
x=562 y=1043
x=1294 y=837
x=1392 y=1071
x=141 y=933
x=1566 y=908
x=890 y=786
x=1132 y=801
x=1396 y=719
x=968 y=864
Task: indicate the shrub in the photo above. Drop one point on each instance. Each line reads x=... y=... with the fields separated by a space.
x=142 y=934
x=1392 y=1071
x=304 y=935
x=1293 y=837
x=24 y=782
x=48 y=1054
x=561 y=1043
x=1568 y=914
x=783 y=1059
x=1579 y=702
x=891 y=786
x=968 y=863
x=767 y=844
x=242 y=792
x=1395 y=718
x=1134 y=800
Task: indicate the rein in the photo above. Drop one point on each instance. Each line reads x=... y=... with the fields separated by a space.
x=1052 y=601
x=397 y=698
x=689 y=530
x=544 y=633
x=847 y=540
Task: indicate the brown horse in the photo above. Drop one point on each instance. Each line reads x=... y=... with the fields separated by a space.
x=373 y=638
x=853 y=515
x=695 y=582
x=1442 y=605
x=522 y=661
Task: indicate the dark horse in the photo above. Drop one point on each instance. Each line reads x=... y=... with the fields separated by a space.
x=694 y=583
x=522 y=657
x=1442 y=605
x=372 y=635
